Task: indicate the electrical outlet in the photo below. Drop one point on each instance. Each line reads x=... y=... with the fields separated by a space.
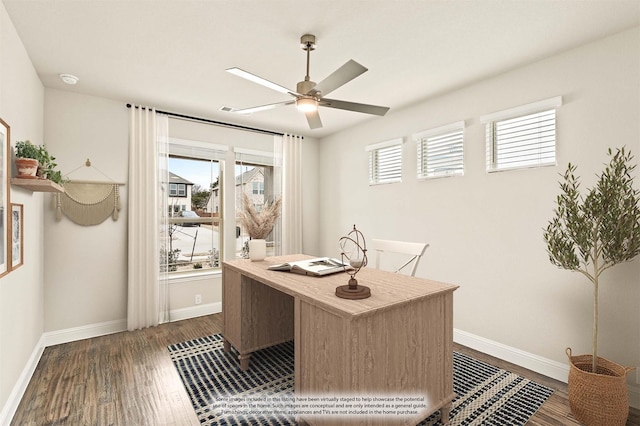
x=198 y=299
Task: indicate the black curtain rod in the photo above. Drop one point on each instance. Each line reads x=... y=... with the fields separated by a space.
x=214 y=122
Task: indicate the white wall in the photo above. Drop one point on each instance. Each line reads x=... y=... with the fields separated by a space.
x=485 y=230
x=311 y=206
x=21 y=291
x=86 y=275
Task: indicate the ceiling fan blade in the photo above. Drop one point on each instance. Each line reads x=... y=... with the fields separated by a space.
x=254 y=78
x=353 y=106
x=339 y=77
x=257 y=108
x=313 y=118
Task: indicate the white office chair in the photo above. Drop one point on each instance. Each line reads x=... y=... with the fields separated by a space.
x=399 y=251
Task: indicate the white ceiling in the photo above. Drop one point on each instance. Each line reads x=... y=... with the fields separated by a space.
x=173 y=54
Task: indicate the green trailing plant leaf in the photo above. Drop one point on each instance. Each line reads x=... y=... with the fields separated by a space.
x=592 y=233
x=46 y=162
x=25 y=149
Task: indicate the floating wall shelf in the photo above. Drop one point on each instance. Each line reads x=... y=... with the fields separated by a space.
x=37 y=185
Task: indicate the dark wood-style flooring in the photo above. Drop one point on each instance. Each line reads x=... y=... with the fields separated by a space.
x=128 y=379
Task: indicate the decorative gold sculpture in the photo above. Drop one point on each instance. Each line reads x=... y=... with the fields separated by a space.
x=353 y=248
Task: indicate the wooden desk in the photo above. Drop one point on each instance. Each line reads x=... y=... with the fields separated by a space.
x=398 y=341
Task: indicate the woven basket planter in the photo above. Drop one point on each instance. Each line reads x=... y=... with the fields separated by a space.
x=599 y=398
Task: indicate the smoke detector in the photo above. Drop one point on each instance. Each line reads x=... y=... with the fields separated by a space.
x=69 y=79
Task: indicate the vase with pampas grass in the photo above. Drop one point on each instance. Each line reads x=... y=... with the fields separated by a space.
x=259 y=225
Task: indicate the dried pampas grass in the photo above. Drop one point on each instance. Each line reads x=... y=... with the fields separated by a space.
x=259 y=225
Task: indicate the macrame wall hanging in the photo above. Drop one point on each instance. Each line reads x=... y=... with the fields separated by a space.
x=88 y=203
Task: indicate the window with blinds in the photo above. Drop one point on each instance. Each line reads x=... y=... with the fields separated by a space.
x=522 y=137
x=385 y=162
x=441 y=151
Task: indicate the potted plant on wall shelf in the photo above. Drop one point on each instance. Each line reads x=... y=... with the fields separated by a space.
x=589 y=235
x=258 y=225
x=35 y=162
x=27 y=162
x=47 y=168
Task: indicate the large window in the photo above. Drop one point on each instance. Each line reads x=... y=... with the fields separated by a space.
x=441 y=151
x=192 y=235
x=385 y=162
x=255 y=180
x=522 y=137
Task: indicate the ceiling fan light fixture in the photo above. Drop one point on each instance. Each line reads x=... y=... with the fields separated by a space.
x=307 y=104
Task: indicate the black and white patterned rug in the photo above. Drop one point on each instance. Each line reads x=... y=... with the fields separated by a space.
x=222 y=394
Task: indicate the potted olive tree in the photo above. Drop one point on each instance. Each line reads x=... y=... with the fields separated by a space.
x=590 y=234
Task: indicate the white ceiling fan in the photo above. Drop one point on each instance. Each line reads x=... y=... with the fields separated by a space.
x=309 y=95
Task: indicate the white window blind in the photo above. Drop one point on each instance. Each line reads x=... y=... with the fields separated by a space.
x=385 y=162
x=441 y=151
x=196 y=149
x=251 y=156
x=522 y=137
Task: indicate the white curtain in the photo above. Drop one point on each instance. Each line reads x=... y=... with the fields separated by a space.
x=148 y=136
x=288 y=153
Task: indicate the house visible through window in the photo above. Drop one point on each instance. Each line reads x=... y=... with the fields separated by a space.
x=385 y=162
x=191 y=242
x=255 y=179
x=522 y=137
x=441 y=151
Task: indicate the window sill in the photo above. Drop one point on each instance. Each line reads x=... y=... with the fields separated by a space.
x=193 y=276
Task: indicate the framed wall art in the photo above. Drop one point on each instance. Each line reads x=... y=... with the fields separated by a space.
x=5 y=241
x=17 y=229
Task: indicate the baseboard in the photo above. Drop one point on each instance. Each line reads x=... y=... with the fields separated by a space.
x=545 y=366
x=549 y=368
x=195 y=311
x=83 y=332
x=20 y=387
x=101 y=329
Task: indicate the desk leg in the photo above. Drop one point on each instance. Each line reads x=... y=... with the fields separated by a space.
x=444 y=413
x=245 y=361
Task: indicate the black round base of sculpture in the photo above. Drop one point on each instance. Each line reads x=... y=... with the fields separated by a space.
x=353 y=290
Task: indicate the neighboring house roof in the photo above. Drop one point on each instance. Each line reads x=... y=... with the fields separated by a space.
x=247 y=176
x=174 y=178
